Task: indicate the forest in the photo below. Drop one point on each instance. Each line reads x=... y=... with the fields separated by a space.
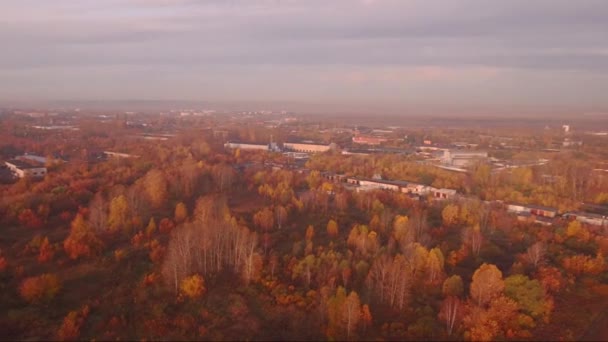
x=190 y=241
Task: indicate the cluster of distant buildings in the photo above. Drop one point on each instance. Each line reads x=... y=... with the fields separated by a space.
x=414 y=190
x=524 y=212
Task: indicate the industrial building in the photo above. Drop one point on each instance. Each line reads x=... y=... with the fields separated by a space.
x=368 y=140
x=244 y=146
x=308 y=148
x=458 y=158
x=24 y=169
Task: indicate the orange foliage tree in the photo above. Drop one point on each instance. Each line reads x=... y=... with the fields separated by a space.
x=332 y=228
x=46 y=252
x=39 y=289
x=181 y=212
x=29 y=219
x=70 y=328
x=3 y=263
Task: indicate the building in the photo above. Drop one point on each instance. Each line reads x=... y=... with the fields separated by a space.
x=297 y=155
x=334 y=177
x=308 y=148
x=416 y=189
x=368 y=140
x=539 y=210
x=373 y=184
x=458 y=158
x=443 y=194
x=32 y=157
x=531 y=209
x=588 y=218
x=356 y=152
x=517 y=208
x=58 y=127
x=244 y=146
x=571 y=143
x=119 y=154
x=24 y=169
x=464 y=145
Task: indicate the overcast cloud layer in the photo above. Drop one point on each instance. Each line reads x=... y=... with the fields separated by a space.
x=364 y=52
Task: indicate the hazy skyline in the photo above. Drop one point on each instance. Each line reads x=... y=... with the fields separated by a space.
x=369 y=53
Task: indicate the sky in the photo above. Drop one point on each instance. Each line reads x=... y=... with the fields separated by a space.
x=398 y=54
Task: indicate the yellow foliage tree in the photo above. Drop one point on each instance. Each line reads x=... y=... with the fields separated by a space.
x=487 y=284
x=575 y=229
x=181 y=212
x=119 y=210
x=332 y=228
x=193 y=286
x=151 y=228
x=156 y=187
x=450 y=214
x=82 y=241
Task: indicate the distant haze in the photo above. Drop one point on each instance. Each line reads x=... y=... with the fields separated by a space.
x=462 y=56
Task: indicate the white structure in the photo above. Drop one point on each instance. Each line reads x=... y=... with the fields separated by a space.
x=366 y=185
x=23 y=169
x=457 y=158
x=120 y=155
x=417 y=189
x=443 y=194
x=517 y=208
x=297 y=155
x=569 y=143
x=242 y=146
x=35 y=158
x=362 y=184
x=272 y=147
x=308 y=148
x=531 y=209
x=70 y=128
x=588 y=218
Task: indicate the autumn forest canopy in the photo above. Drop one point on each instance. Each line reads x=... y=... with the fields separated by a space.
x=184 y=239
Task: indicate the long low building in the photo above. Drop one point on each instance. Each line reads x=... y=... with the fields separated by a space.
x=33 y=157
x=588 y=218
x=244 y=146
x=308 y=148
x=272 y=147
x=26 y=169
x=363 y=184
x=368 y=140
x=119 y=154
x=460 y=158
x=536 y=210
x=443 y=194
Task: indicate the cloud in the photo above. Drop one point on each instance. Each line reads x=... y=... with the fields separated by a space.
x=379 y=42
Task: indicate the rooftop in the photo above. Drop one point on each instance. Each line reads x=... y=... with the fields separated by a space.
x=584 y=214
x=24 y=165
